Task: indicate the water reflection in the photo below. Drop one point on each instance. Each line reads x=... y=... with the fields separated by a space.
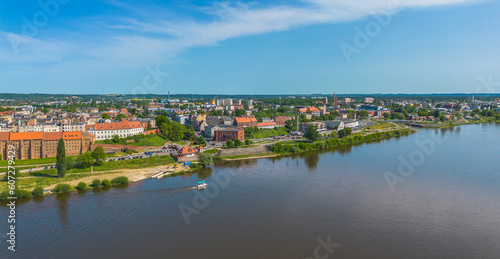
x=204 y=173
x=311 y=159
x=121 y=186
x=62 y=204
x=237 y=163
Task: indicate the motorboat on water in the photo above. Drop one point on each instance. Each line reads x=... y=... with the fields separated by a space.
x=201 y=185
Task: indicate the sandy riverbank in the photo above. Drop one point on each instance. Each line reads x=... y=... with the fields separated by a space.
x=133 y=175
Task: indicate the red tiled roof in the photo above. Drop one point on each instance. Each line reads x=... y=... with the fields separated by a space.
x=26 y=135
x=186 y=150
x=263 y=124
x=124 y=124
x=4 y=136
x=247 y=119
x=40 y=135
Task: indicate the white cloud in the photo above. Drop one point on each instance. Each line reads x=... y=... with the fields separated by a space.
x=138 y=42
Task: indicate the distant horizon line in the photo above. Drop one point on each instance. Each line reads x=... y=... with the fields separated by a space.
x=255 y=94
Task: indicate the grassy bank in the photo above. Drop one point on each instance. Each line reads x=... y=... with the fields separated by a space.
x=137 y=140
x=45 y=178
x=298 y=147
x=36 y=161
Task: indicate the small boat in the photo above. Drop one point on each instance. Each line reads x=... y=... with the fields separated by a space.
x=201 y=185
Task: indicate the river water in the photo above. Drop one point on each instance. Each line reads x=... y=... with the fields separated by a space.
x=434 y=194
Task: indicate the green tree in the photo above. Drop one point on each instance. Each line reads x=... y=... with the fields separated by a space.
x=423 y=112
x=61 y=158
x=98 y=155
x=344 y=132
x=84 y=160
x=312 y=133
x=248 y=142
x=106 y=116
x=116 y=139
x=96 y=183
x=278 y=148
x=201 y=140
x=238 y=142
x=149 y=127
x=230 y=143
x=239 y=112
x=160 y=119
x=81 y=186
x=165 y=129
x=205 y=159
x=37 y=191
x=176 y=131
x=121 y=116
x=363 y=113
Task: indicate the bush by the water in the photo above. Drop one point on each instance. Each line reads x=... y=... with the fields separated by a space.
x=119 y=180
x=280 y=148
x=37 y=191
x=96 y=183
x=195 y=166
x=106 y=182
x=81 y=186
x=17 y=193
x=62 y=187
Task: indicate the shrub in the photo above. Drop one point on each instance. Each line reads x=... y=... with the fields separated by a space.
x=119 y=180
x=106 y=182
x=81 y=186
x=96 y=183
x=17 y=193
x=62 y=187
x=16 y=174
x=37 y=191
x=205 y=159
x=195 y=166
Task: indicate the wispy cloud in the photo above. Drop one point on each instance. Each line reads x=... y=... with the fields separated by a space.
x=144 y=39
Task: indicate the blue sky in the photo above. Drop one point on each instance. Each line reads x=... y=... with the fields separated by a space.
x=250 y=47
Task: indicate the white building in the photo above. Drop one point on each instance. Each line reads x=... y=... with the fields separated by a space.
x=123 y=129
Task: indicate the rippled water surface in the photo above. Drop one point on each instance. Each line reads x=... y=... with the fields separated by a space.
x=445 y=203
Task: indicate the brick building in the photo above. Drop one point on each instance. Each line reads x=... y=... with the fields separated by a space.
x=229 y=134
x=281 y=120
x=246 y=121
x=30 y=145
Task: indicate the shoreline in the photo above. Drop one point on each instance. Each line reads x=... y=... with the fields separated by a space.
x=136 y=175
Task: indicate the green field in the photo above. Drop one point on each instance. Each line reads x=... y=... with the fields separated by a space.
x=381 y=126
x=36 y=161
x=139 y=140
x=267 y=133
x=211 y=151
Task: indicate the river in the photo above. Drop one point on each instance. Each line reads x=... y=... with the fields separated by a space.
x=433 y=194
